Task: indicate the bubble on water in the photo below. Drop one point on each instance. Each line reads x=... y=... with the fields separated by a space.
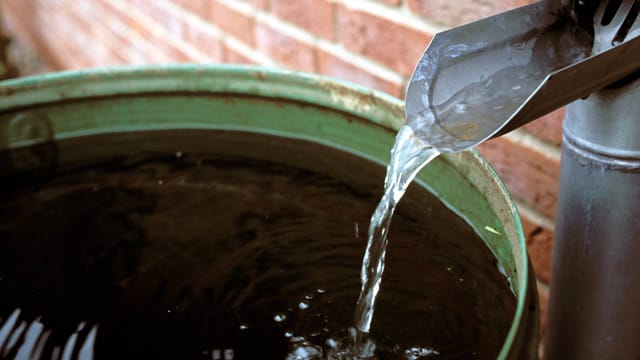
x=307 y=297
x=320 y=291
x=288 y=334
x=279 y=317
x=303 y=305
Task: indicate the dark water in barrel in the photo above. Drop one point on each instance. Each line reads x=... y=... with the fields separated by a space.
x=196 y=244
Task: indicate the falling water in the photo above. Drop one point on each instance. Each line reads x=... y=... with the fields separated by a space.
x=408 y=156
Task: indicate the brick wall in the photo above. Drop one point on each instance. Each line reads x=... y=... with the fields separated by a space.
x=372 y=42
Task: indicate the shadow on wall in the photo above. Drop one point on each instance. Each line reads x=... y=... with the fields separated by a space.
x=16 y=58
x=7 y=69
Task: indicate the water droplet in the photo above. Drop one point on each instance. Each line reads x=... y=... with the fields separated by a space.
x=307 y=297
x=288 y=334
x=461 y=279
x=303 y=305
x=160 y=182
x=244 y=327
x=179 y=154
x=320 y=291
x=279 y=317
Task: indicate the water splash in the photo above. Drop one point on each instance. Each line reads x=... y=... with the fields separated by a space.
x=20 y=341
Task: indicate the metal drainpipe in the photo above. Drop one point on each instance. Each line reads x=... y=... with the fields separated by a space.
x=594 y=306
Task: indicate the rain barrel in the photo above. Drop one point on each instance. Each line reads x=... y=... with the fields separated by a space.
x=41 y=113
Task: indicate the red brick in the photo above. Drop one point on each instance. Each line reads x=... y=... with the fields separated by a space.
x=540 y=248
x=22 y=19
x=391 y=2
x=529 y=175
x=203 y=39
x=284 y=49
x=260 y=4
x=543 y=300
x=315 y=16
x=178 y=55
x=235 y=23
x=181 y=29
x=233 y=57
x=108 y=46
x=548 y=127
x=452 y=13
x=171 y=50
x=153 y=48
x=389 y=43
x=183 y=3
x=74 y=51
x=164 y=16
x=198 y=7
x=331 y=65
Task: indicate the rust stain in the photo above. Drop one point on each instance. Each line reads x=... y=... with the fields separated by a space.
x=259 y=75
x=354 y=101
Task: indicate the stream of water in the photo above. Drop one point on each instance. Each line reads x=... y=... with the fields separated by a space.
x=408 y=156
